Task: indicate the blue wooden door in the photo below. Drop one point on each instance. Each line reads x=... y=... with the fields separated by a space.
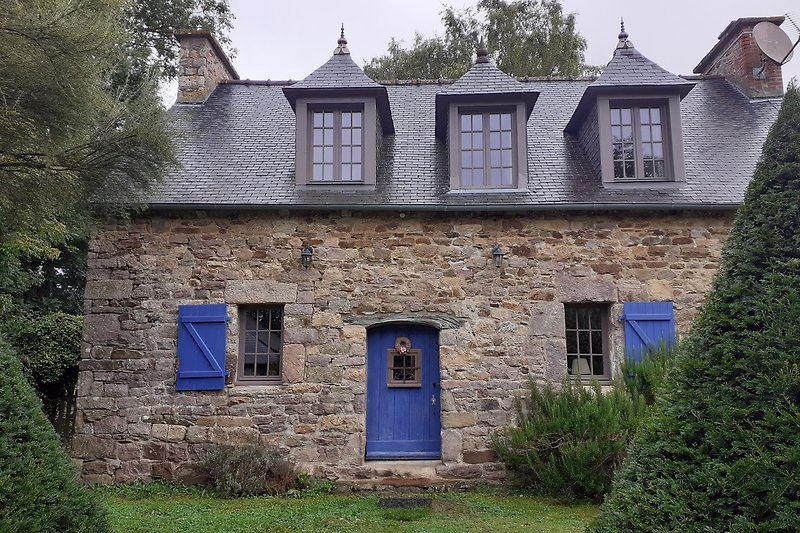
x=403 y=418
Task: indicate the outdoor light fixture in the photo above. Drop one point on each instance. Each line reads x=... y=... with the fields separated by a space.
x=306 y=255
x=497 y=255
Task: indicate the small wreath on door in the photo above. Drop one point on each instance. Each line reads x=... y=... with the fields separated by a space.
x=404 y=365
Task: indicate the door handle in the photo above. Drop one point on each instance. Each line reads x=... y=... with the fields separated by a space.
x=433 y=399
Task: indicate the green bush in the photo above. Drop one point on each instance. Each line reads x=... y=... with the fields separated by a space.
x=49 y=345
x=721 y=449
x=249 y=471
x=646 y=376
x=38 y=488
x=568 y=442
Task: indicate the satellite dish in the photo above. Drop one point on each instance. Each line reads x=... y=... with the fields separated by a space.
x=773 y=42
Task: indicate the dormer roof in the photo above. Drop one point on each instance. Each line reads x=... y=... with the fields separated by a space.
x=629 y=71
x=483 y=80
x=340 y=76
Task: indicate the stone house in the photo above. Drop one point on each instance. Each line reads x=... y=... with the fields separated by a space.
x=364 y=275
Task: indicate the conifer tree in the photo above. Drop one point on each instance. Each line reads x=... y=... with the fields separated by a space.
x=721 y=451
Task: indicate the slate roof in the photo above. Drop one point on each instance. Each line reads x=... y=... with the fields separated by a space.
x=237 y=152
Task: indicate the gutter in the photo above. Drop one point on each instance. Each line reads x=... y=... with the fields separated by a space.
x=534 y=208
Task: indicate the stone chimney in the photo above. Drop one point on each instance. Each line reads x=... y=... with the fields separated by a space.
x=737 y=57
x=203 y=64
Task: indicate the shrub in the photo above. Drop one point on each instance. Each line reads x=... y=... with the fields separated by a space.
x=568 y=442
x=249 y=471
x=38 y=488
x=646 y=376
x=721 y=449
x=49 y=345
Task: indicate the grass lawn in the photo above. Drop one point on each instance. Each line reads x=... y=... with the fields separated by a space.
x=157 y=508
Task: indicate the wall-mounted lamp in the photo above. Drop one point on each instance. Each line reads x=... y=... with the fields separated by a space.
x=306 y=255
x=497 y=255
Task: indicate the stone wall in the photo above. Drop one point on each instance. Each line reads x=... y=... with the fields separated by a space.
x=500 y=326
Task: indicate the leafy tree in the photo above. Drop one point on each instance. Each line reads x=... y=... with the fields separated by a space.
x=721 y=451
x=39 y=489
x=525 y=38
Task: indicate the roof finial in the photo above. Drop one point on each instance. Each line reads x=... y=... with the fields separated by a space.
x=483 y=53
x=623 y=36
x=342 y=48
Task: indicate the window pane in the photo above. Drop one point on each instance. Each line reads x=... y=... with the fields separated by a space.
x=505 y=139
x=466 y=159
x=494 y=139
x=661 y=169
x=357 y=119
x=466 y=122
x=477 y=140
x=494 y=156
x=276 y=322
x=496 y=177
x=626 y=116
x=644 y=115
x=506 y=160
x=656 y=133
x=263 y=341
x=627 y=133
x=261 y=364
x=595 y=318
x=345 y=172
x=505 y=121
x=583 y=318
x=466 y=140
x=249 y=365
x=615 y=117
x=572 y=342
x=346 y=136
x=274 y=366
x=250 y=342
x=317 y=119
x=583 y=342
x=327 y=172
x=507 y=178
x=328 y=120
x=477 y=122
x=327 y=138
x=357 y=137
x=655 y=115
x=658 y=150
x=317 y=172
x=317 y=137
x=598 y=366
x=356 y=151
x=494 y=122
x=645 y=133
x=317 y=154
x=630 y=172
x=618 y=172
x=597 y=342
x=648 y=169
x=327 y=154
x=346 y=154
x=647 y=150
x=250 y=319
x=477 y=159
x=357 y=172
x=571 y=320
x=346 y=119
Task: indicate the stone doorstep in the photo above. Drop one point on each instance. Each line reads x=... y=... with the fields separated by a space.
x=404 y=469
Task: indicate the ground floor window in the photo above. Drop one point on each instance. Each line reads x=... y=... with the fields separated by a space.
x=260 y=344
x=587 y=340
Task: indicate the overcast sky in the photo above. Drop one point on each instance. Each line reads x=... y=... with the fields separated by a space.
x=289 y=39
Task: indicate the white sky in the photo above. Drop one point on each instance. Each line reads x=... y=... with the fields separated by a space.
x=279 y=39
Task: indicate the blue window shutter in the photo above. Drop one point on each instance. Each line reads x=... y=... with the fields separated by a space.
x=647 y=326
x=201 y=347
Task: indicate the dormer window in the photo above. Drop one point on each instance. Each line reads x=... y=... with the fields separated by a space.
x=337 y=145
x=341 y=116
x=638 y=143
x=487 y=149
x=629 y=120
x=483 y=119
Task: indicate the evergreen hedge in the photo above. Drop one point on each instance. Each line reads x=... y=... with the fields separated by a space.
x=38 y=488
x=721 y=449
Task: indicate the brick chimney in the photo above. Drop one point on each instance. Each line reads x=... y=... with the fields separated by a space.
x=203 y=64
x=737 y=57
